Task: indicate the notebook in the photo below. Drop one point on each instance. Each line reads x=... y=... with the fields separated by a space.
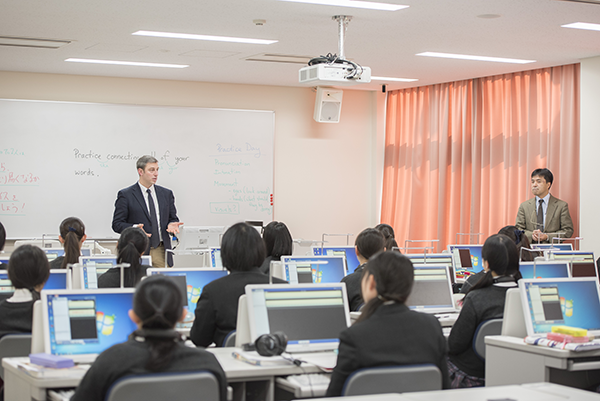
x=572 y=302
x=80 y=324
x=311 y=315
x=191 y=282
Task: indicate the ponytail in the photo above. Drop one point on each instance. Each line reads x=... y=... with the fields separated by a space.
x=158 y=302
x=133 y=242
x=72 y=230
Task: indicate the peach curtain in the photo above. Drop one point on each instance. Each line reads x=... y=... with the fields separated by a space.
x=458 y=156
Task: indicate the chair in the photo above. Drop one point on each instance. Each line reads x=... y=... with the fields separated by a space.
x=492 y=327
x=12 y=345
x=229 y=340
x=166 y=386
x=393 y=379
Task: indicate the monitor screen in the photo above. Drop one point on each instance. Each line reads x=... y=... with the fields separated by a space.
x=582 y=262
x=93 y=267
x=81 y=323
x=466 y=264
x=434 y=259
x=312 y=316
x=314 y=269
x=191 y=281
x=215 y=258
x=348 y=251
x=544 y=269
x=555 y=247
x=53 y=253
x=4 y=258
x=572 y=302
x=59 y=279
x=432 y=290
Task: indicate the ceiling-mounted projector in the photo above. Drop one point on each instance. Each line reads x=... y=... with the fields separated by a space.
x=334 y=74
x=333 y=69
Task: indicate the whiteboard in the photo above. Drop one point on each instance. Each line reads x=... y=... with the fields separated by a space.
x=61 y=159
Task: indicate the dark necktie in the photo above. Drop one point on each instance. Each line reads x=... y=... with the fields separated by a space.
x=540 y=216
x=154 y=240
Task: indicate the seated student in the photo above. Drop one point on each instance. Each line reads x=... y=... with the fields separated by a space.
x=132 y=244
x=28 y=270
x=369 y=242
x=389 y=235
x=278 y=242
x=242 y=251
x=72 y=235
x=484 y=301
x=3 y=266
x=387 y=332
x=521 y=241
x=154 y=347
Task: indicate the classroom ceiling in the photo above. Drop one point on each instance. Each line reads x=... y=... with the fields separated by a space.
x=387 y=42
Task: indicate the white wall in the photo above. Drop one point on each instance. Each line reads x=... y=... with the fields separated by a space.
x=327 y=176
x=589 y=192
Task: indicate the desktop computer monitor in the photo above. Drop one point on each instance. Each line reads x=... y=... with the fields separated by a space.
x=545 y=269
x=311 y=315
x=571 y=302
x=191 y=282
x=314 y=269
x=59 y=279
x=432 y=290
x=192 y=237
x=53 y=253
x=466 y=260
x=4 y=258
x=348 y=251
x=582 y=263
x=215 y=258
x=433 y=259
x=80 y=324
x=564 y=246
x=93 y=267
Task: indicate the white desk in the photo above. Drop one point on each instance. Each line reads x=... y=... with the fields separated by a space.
x=510 y=361
x=255 y=382
x=525 y=392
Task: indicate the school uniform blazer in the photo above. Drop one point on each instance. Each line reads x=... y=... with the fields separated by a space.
x=217 y=308
x=558 y=218
x=393 y=335
x=130 y=209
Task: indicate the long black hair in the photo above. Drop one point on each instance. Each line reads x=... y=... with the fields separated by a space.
x=133 y=242
x=502 y=257
x=28 y=267
x=389 y=235
x=394 y=276
x=72 y=231
x=158 y=303
x=278 y=240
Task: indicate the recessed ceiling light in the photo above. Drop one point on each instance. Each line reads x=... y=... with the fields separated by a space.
x=204 y=37
x=393 y=79
x=583 y=25
x=86 y=60
x=476 y=58
x=353 y=4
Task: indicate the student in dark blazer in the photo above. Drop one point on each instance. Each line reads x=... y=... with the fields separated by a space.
x=131 y=246
x=242 y=252
x=155 y=347
x=132 y=207
x=368 y=243
x=72 y=235
x=387 y=332
x=28 y=271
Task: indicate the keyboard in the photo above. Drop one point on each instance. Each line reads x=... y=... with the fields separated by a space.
x=61 y=395
x=307 y=385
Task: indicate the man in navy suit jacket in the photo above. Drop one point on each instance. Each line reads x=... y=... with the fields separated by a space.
x=132 y=208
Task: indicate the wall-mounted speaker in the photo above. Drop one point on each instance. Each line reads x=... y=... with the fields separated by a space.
x=328 y=105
